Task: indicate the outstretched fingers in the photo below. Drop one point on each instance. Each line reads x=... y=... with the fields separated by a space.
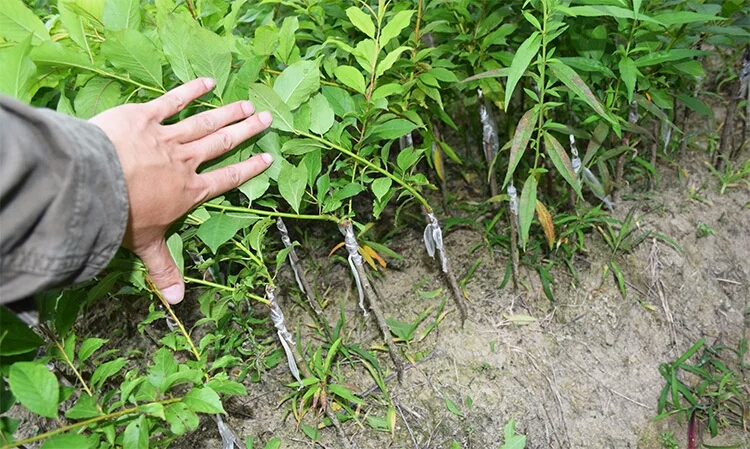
x=178 y=98
x=208 y=122
x=228 y=137
x=226 y=178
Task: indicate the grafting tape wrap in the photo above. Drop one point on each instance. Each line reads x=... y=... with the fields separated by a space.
x=433 y=240
x=277 y=317
x=355 y=260
x=596 y=187
x=489 y=129
x=288 y=243
x=513 y=200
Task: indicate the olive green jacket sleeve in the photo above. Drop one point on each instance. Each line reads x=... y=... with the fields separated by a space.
x=63 y=200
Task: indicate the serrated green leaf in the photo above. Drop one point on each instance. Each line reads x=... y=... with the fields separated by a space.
x=255 y=187
x=15 y=336
x=350 y=77
x=18 y=22
x=57 y=55
x=98 y=95
x=88 y=347
x=210 y=55
x=265 y=98
x=395 y=25
x=175 y=32
x=520 y=141
x=393 y=129
x=380 y=187
x=203 y=400
x=526 y=208
x=121 y=14
x=34 y=387
x=292 y=181
x=136 y=434
x=323 y=118
x=297 y=83
x=526 y=52
x=17 y=71
x=361 y=20
x=134 y=53
x=219 y=229
x=65 y=441
x=561 y=161
x=389 y=60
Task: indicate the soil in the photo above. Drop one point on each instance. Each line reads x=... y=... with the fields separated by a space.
x=584 y=374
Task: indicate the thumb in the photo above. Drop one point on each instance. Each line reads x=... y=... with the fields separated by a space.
x=163 y=271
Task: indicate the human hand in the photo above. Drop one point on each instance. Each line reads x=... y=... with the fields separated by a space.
x=160 y=163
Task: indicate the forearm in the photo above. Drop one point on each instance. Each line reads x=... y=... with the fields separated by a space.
x=63 y=200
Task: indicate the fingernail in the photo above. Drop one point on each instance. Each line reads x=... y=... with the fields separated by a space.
x=247 y=107
x=209 y=83
x=173 y=294
x=267 y=158
x=265 y=117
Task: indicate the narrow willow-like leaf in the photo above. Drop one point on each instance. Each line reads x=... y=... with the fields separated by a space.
x=660 y=57
x=265 y=98
x=575 y=83
x=524 y=129
x=526 y=52
x=545 y=219
x=526 y=208
x=628 y=74
x=561 y=161
x=17 y=22
x=683 y=17
x=389 y=60
x=603 y=10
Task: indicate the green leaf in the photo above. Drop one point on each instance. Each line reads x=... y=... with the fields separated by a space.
x=297 y=83
x=575 y=83
x=561 y=161
x=350 y=77
x=265 y=98
x=380 y=187
x=287 y=38
x=98 y=95
x=73 y=22
x=393 y=129
x=520 y=141
x=395 y=25
x=203 y=400
x=107 y=370
x=15 y=336
x=273 y=443
x=88 y=347
x=526 y=208
x=65 y=441
x=603 y=10
x=210 y=55
x=218 y=229
x=136 y=434
x=121 y=14
x=452 y=407
x=258 y=232
x=323 y=118
x=175 y=32
x=300 y=146
x=660 y=57
x=292 y=181
x=57 y=55
x=255 y=187
x=17 y=71
x=85 y=408
x=174 y=245
x=512 y=440
x=361 y=20
x=17 y=22
x=34 y=387
x=683 y=17
x=343 y=392
x=180 y=418
x=628 y=74
x=526 y=52
x=389 y=60
x=134 y=53
x=266 y=39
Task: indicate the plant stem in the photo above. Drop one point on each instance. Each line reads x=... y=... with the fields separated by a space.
x=167 y=306
x=192 y=280
x=107 y=417
x=273 y=214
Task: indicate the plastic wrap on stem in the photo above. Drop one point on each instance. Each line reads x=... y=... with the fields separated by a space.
x=513 y=203
x=433 y=240
x=277 y=318
x=288 y=243
x=355 y=260
x=576 y=161
x=490 y=140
